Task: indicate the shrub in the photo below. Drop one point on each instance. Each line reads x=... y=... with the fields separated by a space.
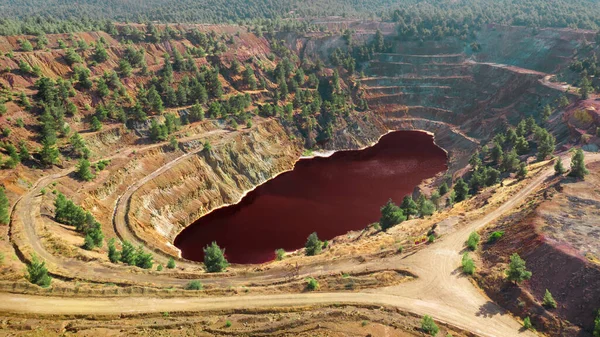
x=467 y=264
x=473 y=241
x=549 y=301
x=160 y=267
x=527 y=323
x=194 y=285
x=228 y=324
x=428 y=326
x=431 y=238
x=279 y=254
x=313 y=245
x=171 y=263
x=495 y=236
x=312 y=284
x=400 y=249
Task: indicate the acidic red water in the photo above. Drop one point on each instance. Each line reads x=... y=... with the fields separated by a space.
x=330 y=196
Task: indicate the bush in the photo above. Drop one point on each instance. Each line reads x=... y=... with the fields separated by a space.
x=279 y=254
x=468 y=265
x=495 y=236
x=431 y=238
x=159 y=268
x=597 y=325
x=549 y=301
x=171 y=263
x=527 y=323
x=428 y=326
x=312 y=284
x=194 y=285
x=313 y=245
x=473 y=241
x=228 y=324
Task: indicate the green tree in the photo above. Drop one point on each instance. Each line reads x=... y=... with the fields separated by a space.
x=143 y=260
x=113 y=255
x=4 y=208
x=443 y=189
x=125 y=68
x=427 y=207
x=49 y=153
x=100 y=54
x=171 y=263
x=428 y=326
x=522 y=171
x=95 y=124
x=391 y=215
x=578 y=169
x=461 y=189
x=214 y=258
x=549 y=301
x=409 y=206
x=559 y=169
x=128 y=253
x=473 y=241
x=25 y=45
x=313 y=245
x=546 y=144
x=517 y=271
x=38 y=273
x=83 y=170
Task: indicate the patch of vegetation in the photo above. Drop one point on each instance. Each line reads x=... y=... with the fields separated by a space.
x=214 y=258
x=495 y=236
x=312 y=284
x=313 y=245
x=468 y=265
x=517 y=271
x=194 y=285
x=428 y=326
x=473 y=241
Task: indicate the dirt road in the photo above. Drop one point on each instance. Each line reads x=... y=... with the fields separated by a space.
x=441 y=290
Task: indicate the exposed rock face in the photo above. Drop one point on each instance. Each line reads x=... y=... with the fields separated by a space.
x=210 y=179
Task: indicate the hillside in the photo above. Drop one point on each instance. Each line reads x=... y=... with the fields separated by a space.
x=115 y=140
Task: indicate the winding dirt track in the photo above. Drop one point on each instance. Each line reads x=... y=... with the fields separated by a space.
x=440 y=290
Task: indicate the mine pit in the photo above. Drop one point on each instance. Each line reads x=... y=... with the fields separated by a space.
x=330 y=196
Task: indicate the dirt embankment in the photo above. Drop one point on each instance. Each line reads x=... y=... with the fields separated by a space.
x=556 y=233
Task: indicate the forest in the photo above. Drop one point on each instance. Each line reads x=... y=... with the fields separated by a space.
x=59 y=16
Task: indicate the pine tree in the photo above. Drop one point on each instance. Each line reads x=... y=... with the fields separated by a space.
x=549 y=301
x=391 y=215
x=38 y=273
x=128 y=253
x=559 y=169
x=83 y=170
x=49 y=153
x=214 y=258
x=113 y=255
x=517 y=271
x=4 y=208
x=408 y=206
x=461 y=189
x=313 y=245
x=578 y=169
x=522 y=171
